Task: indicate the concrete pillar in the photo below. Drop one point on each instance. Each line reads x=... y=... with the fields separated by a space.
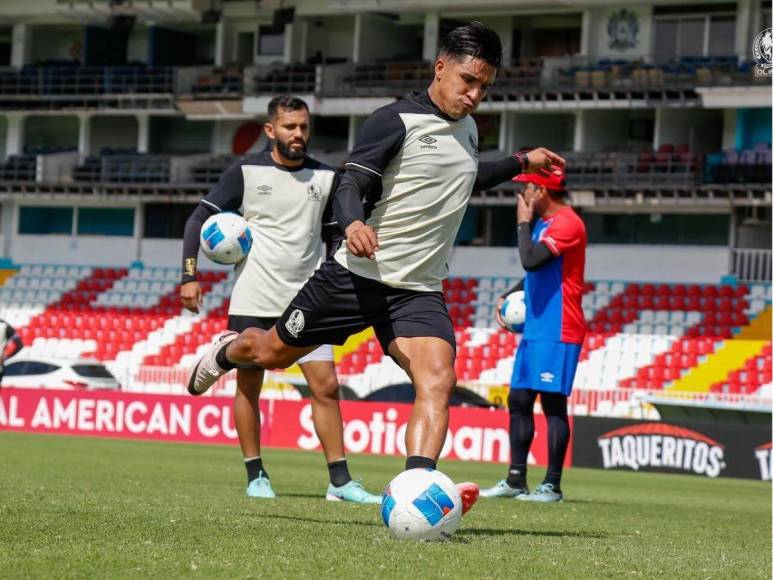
x=579 y=131
x=656 y=139
x=353 y=130
x=139 y=227
x=744 y=35
x=357 y=38
x=14 y=137
x=21 y=41
x=585 y=33
x=505 y=135
x=84 y=134
x=287 y=56
x=729 y=125
x=221 y=57
x=143 y=133
x=431 y=36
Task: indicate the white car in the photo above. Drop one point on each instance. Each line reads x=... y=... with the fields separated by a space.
x=57 y=373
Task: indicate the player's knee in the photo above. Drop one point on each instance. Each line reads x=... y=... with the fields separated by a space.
x=326 y=391
x=437 y=384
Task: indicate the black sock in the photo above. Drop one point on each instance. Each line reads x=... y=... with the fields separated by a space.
x=516 y=477
x=417 y=461
x=339 y=472
x=554 y=407
x=520 y=404
x=222 y=361
x=254 y=468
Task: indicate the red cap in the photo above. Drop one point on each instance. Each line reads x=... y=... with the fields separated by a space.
x=553 y=179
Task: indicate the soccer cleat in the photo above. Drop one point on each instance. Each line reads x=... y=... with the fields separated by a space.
x=469 y=492
x=260 y=488
x=207 y=371
x=352 y=491
x=503 y=489
x=545 y=493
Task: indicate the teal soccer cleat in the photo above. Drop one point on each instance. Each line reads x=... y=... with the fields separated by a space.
x=352 y=491
x=260 y=488
x=545 y=493
x=503 y=489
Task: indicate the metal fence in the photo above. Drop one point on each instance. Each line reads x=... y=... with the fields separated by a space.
x=752 y=265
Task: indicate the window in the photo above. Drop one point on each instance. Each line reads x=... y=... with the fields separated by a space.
x=97 y=221
x=45 y=220
x=92 y=371
x=722 y=36
x=30 y=367
x=695 y=35
x=166 y=220
x=671 y=229
x=271 y=40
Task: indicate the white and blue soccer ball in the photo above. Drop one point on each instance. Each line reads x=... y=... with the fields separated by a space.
x=225 y=238
x=421 y=504
x=513 y=311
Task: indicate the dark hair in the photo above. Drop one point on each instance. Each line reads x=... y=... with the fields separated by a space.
x=287 y=102
x=475 y=40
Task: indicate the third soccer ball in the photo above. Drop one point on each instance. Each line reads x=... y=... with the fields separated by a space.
x=225 y=238
x=421 y=504
x=513 y=311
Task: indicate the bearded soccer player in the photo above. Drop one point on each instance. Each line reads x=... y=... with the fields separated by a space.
x=285 y=197
x=400 y=203
x=552 y=251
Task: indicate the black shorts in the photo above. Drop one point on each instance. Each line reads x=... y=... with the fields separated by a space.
x=335 y=303
x=241 y=323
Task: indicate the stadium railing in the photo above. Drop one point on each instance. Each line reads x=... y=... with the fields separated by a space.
x=68 y=79
x=280 y=79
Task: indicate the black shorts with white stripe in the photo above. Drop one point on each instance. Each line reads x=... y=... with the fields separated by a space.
x=335 y=303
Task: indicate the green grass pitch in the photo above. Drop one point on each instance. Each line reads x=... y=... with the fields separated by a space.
x=98 y=508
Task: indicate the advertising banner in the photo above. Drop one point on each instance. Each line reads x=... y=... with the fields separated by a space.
x=710 y=449
x=375 y=428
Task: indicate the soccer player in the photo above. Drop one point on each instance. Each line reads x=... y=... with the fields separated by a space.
x=285 y=197
x=552 y=252
x=8 y=335
x=399 y=204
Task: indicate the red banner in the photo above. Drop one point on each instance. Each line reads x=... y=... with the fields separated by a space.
x=376 y=428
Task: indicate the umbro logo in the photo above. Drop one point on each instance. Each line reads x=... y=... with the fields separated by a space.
x=264 y=189
x=547 y=377
x=429 y=142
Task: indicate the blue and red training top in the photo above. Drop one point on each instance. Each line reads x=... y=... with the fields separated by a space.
x=553 y=292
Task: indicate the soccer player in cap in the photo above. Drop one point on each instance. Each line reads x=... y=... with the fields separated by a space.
x=551 y=244
x=400 y=203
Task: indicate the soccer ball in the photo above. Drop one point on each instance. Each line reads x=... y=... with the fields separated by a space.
x=225 y=238
x=513 y=311
x=421 y=504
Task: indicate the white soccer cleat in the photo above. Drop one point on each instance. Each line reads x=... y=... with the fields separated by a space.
x=207 y=371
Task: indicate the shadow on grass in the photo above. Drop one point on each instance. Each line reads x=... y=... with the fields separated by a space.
x=517 y=532
x=319 y=521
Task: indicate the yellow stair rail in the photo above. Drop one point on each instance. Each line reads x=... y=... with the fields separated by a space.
x=718 y=365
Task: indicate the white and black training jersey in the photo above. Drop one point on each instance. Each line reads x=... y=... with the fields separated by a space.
x=417 y=168
x=286 y=209
x=7 y=332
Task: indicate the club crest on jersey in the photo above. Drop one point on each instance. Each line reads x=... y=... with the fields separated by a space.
x=295 y=323
x=474 y=144
x=264 y=189
x=314 y=192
